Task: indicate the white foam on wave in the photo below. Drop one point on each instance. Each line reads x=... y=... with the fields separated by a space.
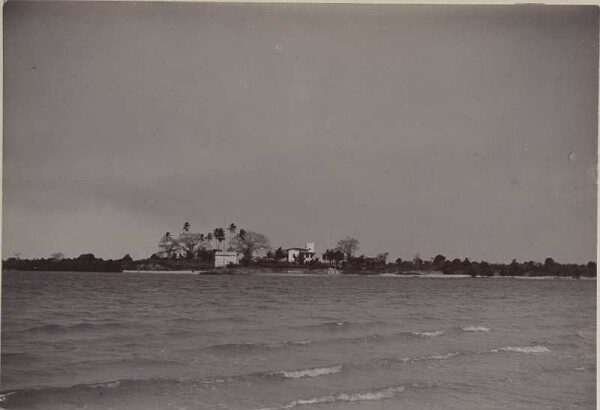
x=441 y=356
x=5 y=395
x=314 y=372
x=108 y=385
x=343 y=398
x=430 y=334
x=475 y=329
x=299 y=342
x=522 y=349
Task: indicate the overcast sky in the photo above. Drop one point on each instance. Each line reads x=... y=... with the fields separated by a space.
x=416 y=129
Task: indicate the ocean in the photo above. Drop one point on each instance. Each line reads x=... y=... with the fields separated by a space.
x=74 y=340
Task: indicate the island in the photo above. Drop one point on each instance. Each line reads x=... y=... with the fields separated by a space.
x=249 y=252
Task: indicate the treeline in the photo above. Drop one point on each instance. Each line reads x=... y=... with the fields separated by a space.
x=195 y=245
x=194 y=250
x=342 y=257
x=529 y=268
x=473 y=268
x=84 y=263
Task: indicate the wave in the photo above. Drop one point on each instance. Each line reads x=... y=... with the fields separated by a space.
x=341 y=325
x=392 y=360
x=366 y=338
x=235 y=319
x=522 y=349
x=444 y=356
x=429 y=334
x=232 y=347
x=53 y=328
x=333 y=325
x=298 y=342
x=440 y=356
x=374 y=337
x=249 y=346
x=351 y=397
x=306 y=373
x=591 y=367
x=4 y=396
x=475 y=329
x=108 y=385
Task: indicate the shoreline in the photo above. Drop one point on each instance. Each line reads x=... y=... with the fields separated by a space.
x=322 y=272
x=258 y=271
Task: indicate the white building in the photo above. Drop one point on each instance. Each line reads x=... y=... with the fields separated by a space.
x=223 y=259
x=301 y=255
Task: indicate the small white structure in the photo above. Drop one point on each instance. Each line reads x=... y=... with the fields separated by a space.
x=223 y=259
x=301 y=255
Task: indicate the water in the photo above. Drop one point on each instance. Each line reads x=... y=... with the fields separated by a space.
x=175 y=341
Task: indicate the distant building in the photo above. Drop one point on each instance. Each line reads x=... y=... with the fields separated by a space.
x=301 y=255
x=223 y=258
x=174 y=254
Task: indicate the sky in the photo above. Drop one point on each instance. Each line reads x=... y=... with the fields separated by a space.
x=467 y=131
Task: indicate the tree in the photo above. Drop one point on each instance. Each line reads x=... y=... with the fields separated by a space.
x=57 y=256
x=327 y=256
x=86 y=257
x=209 y=238
x=382 y=257
x=591 y=268
x=127 y=258
x=249 y=243
x=348 y=246
x=333 y=256
x=485 y=269
x=279 y=254
x=188 y=242
x=219 y=235
x=439 y=260
x=167 y=244
x=232 y=229
x=417 y=261
x=242 y=233
x=338 y=256
x=186 y=227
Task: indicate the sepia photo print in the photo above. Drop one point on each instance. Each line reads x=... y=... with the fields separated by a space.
x=244 y=206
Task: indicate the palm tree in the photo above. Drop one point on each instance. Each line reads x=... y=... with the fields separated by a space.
x=219 y=234
x=242 y=234
x=209 y=238
x=232 y=228
x=167 y=244
x=186 y=227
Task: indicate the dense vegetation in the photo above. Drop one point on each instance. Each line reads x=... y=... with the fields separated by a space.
x=83 y=263
x=196 y=251
x=342 y=257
